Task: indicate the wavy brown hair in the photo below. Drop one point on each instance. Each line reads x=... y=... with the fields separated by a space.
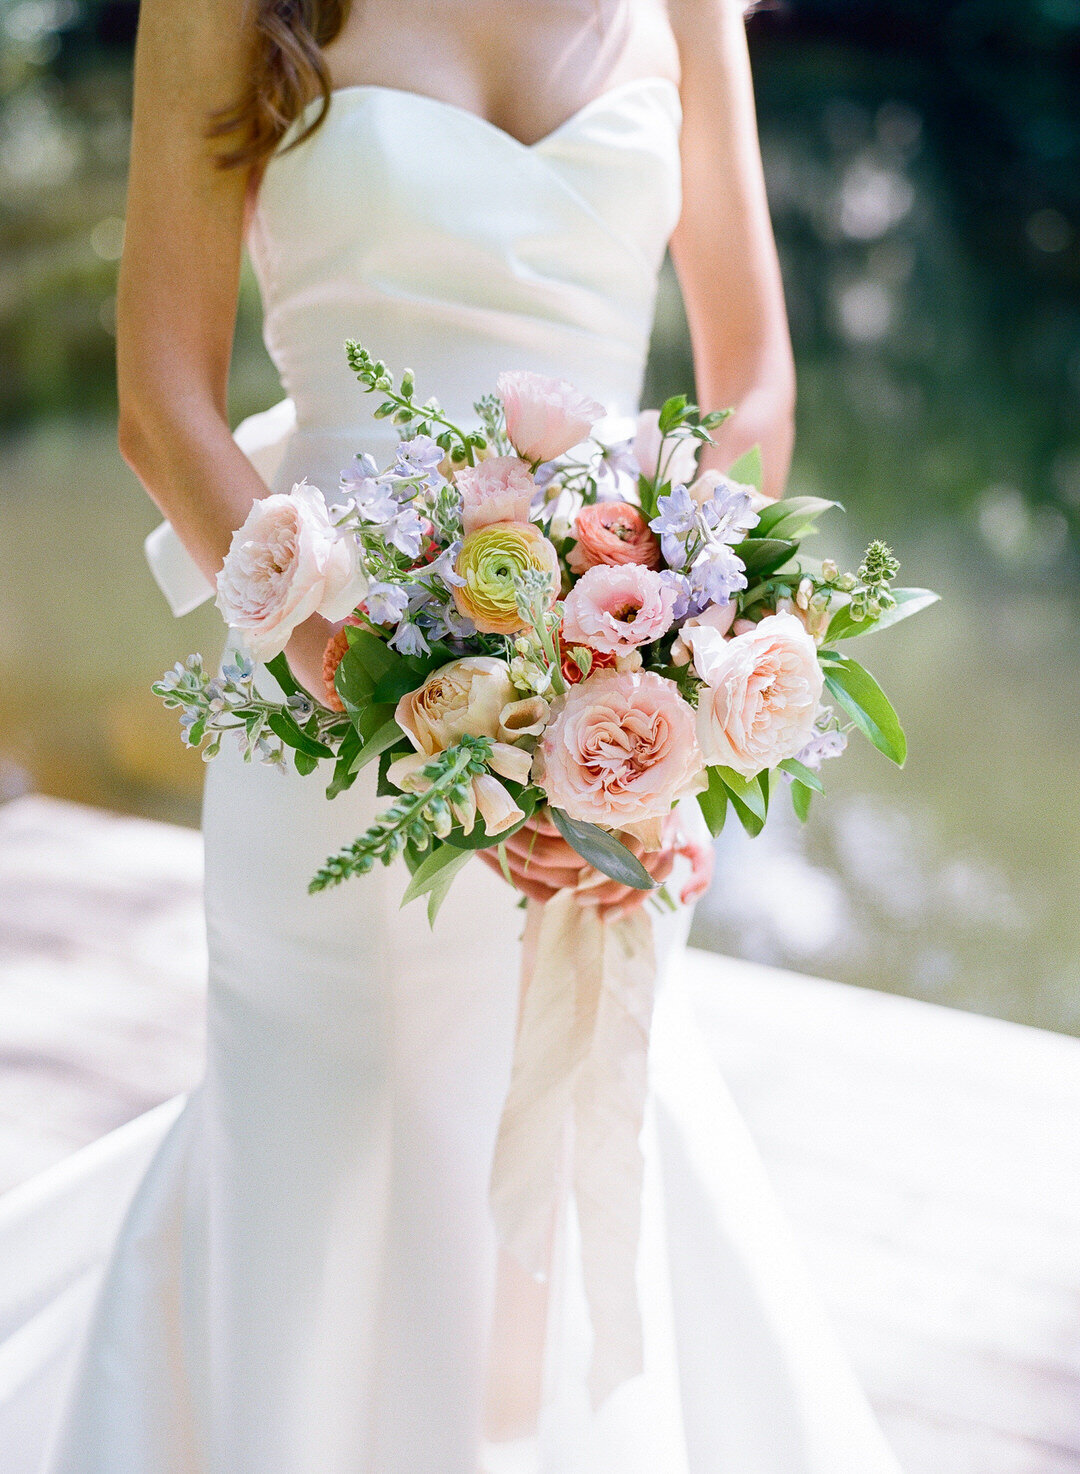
x=287 y=73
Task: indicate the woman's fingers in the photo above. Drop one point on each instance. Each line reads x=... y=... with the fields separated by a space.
x=530 y=886
x=610 y=894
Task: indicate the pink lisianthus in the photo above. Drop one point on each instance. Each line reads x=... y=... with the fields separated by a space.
x=762 y=690
x=544 y=417
x=285 y=563
x=620 y=749
x=617 y=608
x=612 y=532
x=497 y=490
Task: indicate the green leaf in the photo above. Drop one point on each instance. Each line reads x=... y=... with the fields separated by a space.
x=869 y=708
x=438 y=893
x=671 y=412
x=279 y=669
x=800 y=800
x=793 y=517
x=748 y=468
x=804 y=775
x=603 y=852
x=427 y=873
x=713 y=802
x=764 y=555
x=344 y=772
x=397 y=683
x=305 y=764
x=384 y=736
x=373 y=654
x=281 y=723
x=908 y=602
x=748 y=792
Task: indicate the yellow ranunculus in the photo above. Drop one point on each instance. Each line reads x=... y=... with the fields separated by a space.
x=489 y=560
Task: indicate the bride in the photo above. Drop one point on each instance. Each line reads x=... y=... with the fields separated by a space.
x=307 y=1280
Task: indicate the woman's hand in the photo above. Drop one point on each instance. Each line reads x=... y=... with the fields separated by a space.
x=542 y=864
x=305 y=652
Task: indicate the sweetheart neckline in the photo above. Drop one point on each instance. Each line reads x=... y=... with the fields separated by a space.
x=361 y=88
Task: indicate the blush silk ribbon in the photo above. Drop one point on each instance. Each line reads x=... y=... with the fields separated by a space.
x=574 y=1111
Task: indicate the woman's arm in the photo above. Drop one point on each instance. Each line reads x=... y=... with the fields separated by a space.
x=723 y=248
x=176 y=304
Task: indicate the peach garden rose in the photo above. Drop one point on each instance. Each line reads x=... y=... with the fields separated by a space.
x=471 y=696
x=762 y=690
x=620 y=750
x=286 y=563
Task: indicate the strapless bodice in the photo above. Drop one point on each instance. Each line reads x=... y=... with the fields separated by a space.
x=446 y=245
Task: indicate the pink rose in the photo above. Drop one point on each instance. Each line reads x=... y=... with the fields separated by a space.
x=612 y=532
x=620 y=749
x=286 y=563
x=680 y=456
x=544 y=417
x=497 y=490
x=616 y=608
x=762 y=693
x=717 y=616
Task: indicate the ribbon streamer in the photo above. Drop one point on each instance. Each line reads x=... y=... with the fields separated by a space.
x=580 y=1072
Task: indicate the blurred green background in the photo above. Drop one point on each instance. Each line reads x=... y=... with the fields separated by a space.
x=924 y=168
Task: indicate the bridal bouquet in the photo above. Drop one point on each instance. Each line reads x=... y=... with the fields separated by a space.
x=536 y=619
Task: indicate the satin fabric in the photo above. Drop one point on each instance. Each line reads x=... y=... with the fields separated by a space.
x=304 y=1282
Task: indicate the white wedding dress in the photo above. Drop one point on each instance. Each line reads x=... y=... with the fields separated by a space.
x=304 y=1280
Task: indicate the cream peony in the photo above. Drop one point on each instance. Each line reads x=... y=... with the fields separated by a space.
x=284 y=564
x=761 y=695
x=614 y=608
x=680 y=456
x=620 y=749
x=497 y=490
x=544 y=417
x=475 y=696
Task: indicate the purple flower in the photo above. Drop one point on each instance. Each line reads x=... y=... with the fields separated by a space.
x=729 y=512
x=404 y=532
x=372 y=499
x=386 y=602
x=678 y=517
x=617 y=460
x=821 y=746
x=717 y=573
x=419 y=455
x=443 y=569
x=683 y=592
x=407 y=639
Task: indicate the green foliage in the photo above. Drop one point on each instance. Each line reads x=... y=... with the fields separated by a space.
x=844 y=625
x=434 y=876
x=413 y=819
x=713 y=802
x=400 y=405
x=603 y=852
x=748 y=469
x=802 y=774
x=792 y=518
x=854 y=688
